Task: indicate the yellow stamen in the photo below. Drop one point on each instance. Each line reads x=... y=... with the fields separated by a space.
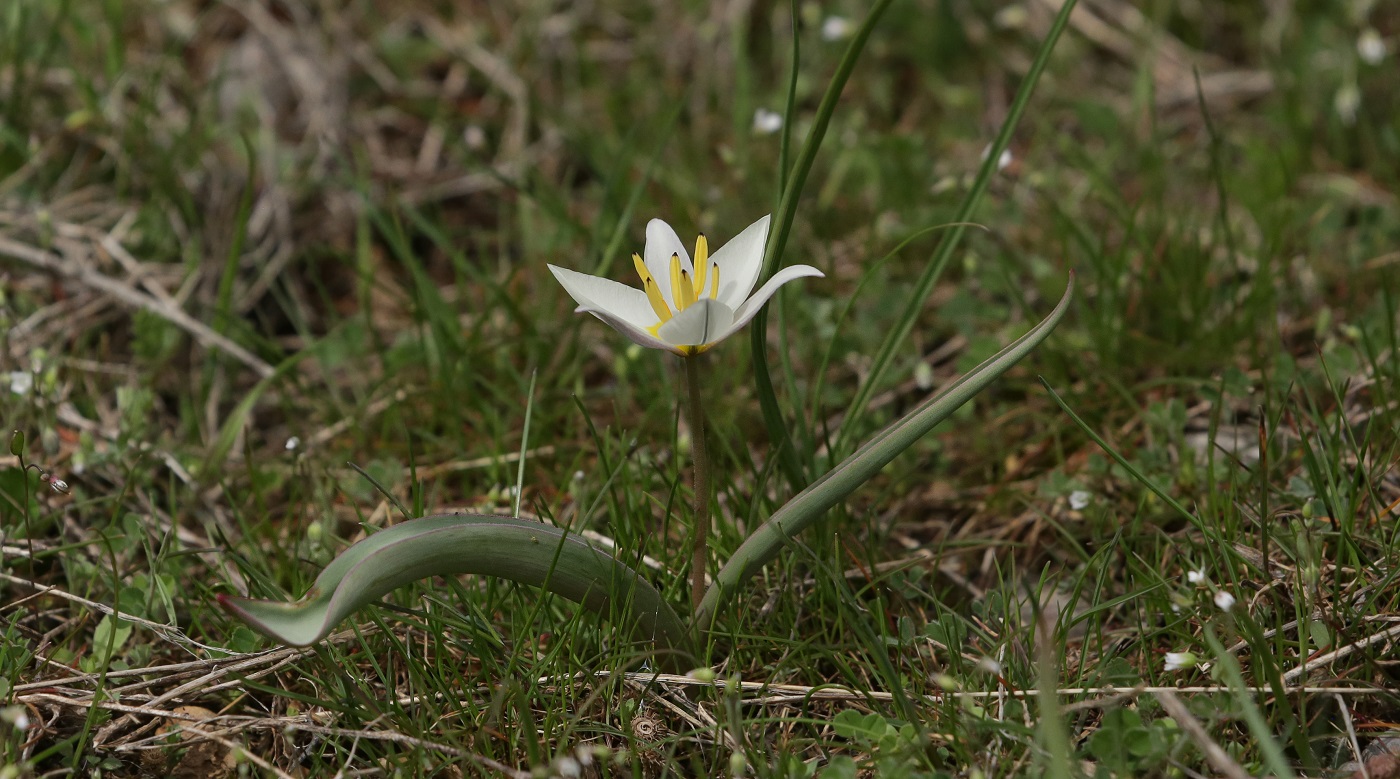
x=658 y=303
x=649 y=286
x=676 y=281
x=714 y=281
x=702 y=264
x=685 y=293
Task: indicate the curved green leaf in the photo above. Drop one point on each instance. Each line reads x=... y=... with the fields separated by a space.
x=809 y=505
x=521 y=551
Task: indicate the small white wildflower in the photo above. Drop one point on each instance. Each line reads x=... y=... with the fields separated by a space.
x=17 y=716
x=1012 y=17
x=292 y=444
x=1176 y=608
x=21 y=382
x=1079 y=499
x=1177 y=661
x=1003 y=159
x=923 y=376
x=836 y=28
x=989 y=665
x=1224 y=600
x=1196 y=577
x=567 y=768
x=474 y=137
x=578 y=475
x=767 y=122
x=1370 y=46
x=584 y=755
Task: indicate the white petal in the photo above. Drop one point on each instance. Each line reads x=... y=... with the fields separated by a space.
x=595 y=294
x=751 y=306
x=635 y=334
x=662 y=242
x=740 y=262
x=704 y=322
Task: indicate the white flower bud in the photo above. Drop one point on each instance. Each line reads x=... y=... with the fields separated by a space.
x=1177 y=661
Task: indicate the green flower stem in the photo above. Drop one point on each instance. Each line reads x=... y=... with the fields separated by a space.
x=700 y=457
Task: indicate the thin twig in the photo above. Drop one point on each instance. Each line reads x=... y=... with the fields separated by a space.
x=131 y=297
x=168 y=632
x=1214 y=754
x=838 y=692
x=231 y=745
x=404 y=738
x=1340 y=652
x=1351 y=737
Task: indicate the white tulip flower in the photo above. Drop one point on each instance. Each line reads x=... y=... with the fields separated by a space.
x=682 y=307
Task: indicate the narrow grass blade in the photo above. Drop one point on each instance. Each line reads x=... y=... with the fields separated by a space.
x=905 y=324
x=789 y=107
x=812 y=503
x=867 y=277
x=515 y=549
x=787 y=207
x=1267 y=665
x=1052 y=732
x=385 y=491
x=524 y=444
x=1253 y=717
x=214 y=460
x=223 y=308
x=778 y=236
x=610 y=251
x=1123 y=461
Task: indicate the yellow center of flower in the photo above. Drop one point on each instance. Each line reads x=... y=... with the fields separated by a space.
x=685 y=290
